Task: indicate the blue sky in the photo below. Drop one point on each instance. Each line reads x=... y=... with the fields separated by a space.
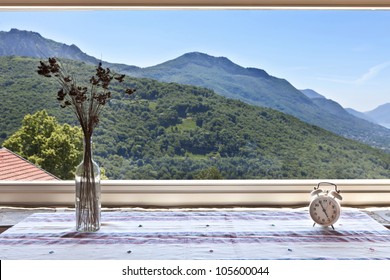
x=344 y=55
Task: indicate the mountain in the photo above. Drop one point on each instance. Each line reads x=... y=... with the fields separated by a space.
x=174 y=131
x=311 y=93
x=361 y=115
x=328 y=105
x=381 y=115
x=257 y=87
x=26 y=43
x=251 y=85
x=32 y=44
x=377 y=116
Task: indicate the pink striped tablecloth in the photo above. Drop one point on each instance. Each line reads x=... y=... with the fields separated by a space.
x=259 y=234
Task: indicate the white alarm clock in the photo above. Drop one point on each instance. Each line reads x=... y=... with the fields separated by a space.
x=324 y=207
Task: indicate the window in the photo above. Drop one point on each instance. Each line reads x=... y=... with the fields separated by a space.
x=179 y=138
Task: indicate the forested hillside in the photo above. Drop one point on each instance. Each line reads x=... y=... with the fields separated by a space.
x=252 y=85
x=172 y=131
x=257 y=87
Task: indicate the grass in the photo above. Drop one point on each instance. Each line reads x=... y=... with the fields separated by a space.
x=186 y=125
x=152 y=105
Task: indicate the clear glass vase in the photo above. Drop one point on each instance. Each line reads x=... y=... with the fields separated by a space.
x=88 y=192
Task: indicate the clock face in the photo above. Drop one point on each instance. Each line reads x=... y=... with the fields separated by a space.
x=324 y=210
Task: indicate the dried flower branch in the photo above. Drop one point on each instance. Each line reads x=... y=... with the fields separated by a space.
x=86 y=102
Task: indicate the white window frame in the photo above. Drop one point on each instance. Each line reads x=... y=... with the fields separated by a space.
x=177 y=193
x=195 y=193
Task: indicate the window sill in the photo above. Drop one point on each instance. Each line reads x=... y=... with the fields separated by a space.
x=195 y=193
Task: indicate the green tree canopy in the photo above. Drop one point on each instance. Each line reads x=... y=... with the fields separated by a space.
x=43 y=141
x=211 y=173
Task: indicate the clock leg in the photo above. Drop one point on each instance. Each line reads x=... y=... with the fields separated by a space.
x=332 y=227
x=314 y=224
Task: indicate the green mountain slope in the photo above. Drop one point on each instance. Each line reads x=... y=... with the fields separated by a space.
x=256 y=87
x=173 y=131
x=250 y=85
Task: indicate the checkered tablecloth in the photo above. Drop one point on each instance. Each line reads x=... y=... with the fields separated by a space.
x=260 y=234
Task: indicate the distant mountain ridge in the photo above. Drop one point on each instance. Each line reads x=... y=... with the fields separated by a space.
x=208 y=61
x=32 y=44
x=311 y=93
x=254 y=86
x=381 y=114
x=360 y=115
x=251 y=85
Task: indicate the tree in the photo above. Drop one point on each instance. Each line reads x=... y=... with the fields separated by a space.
x=211 y=173
x=43 y=141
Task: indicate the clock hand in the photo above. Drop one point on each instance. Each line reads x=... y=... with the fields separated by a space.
x=323 y=209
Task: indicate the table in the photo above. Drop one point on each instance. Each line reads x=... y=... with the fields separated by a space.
x=280 y=234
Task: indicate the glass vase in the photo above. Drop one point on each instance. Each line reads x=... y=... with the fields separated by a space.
x=88 y=191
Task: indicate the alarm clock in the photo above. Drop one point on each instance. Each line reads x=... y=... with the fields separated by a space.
x=324 y=207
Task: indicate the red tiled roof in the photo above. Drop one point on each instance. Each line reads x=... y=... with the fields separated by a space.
x=14 y=167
